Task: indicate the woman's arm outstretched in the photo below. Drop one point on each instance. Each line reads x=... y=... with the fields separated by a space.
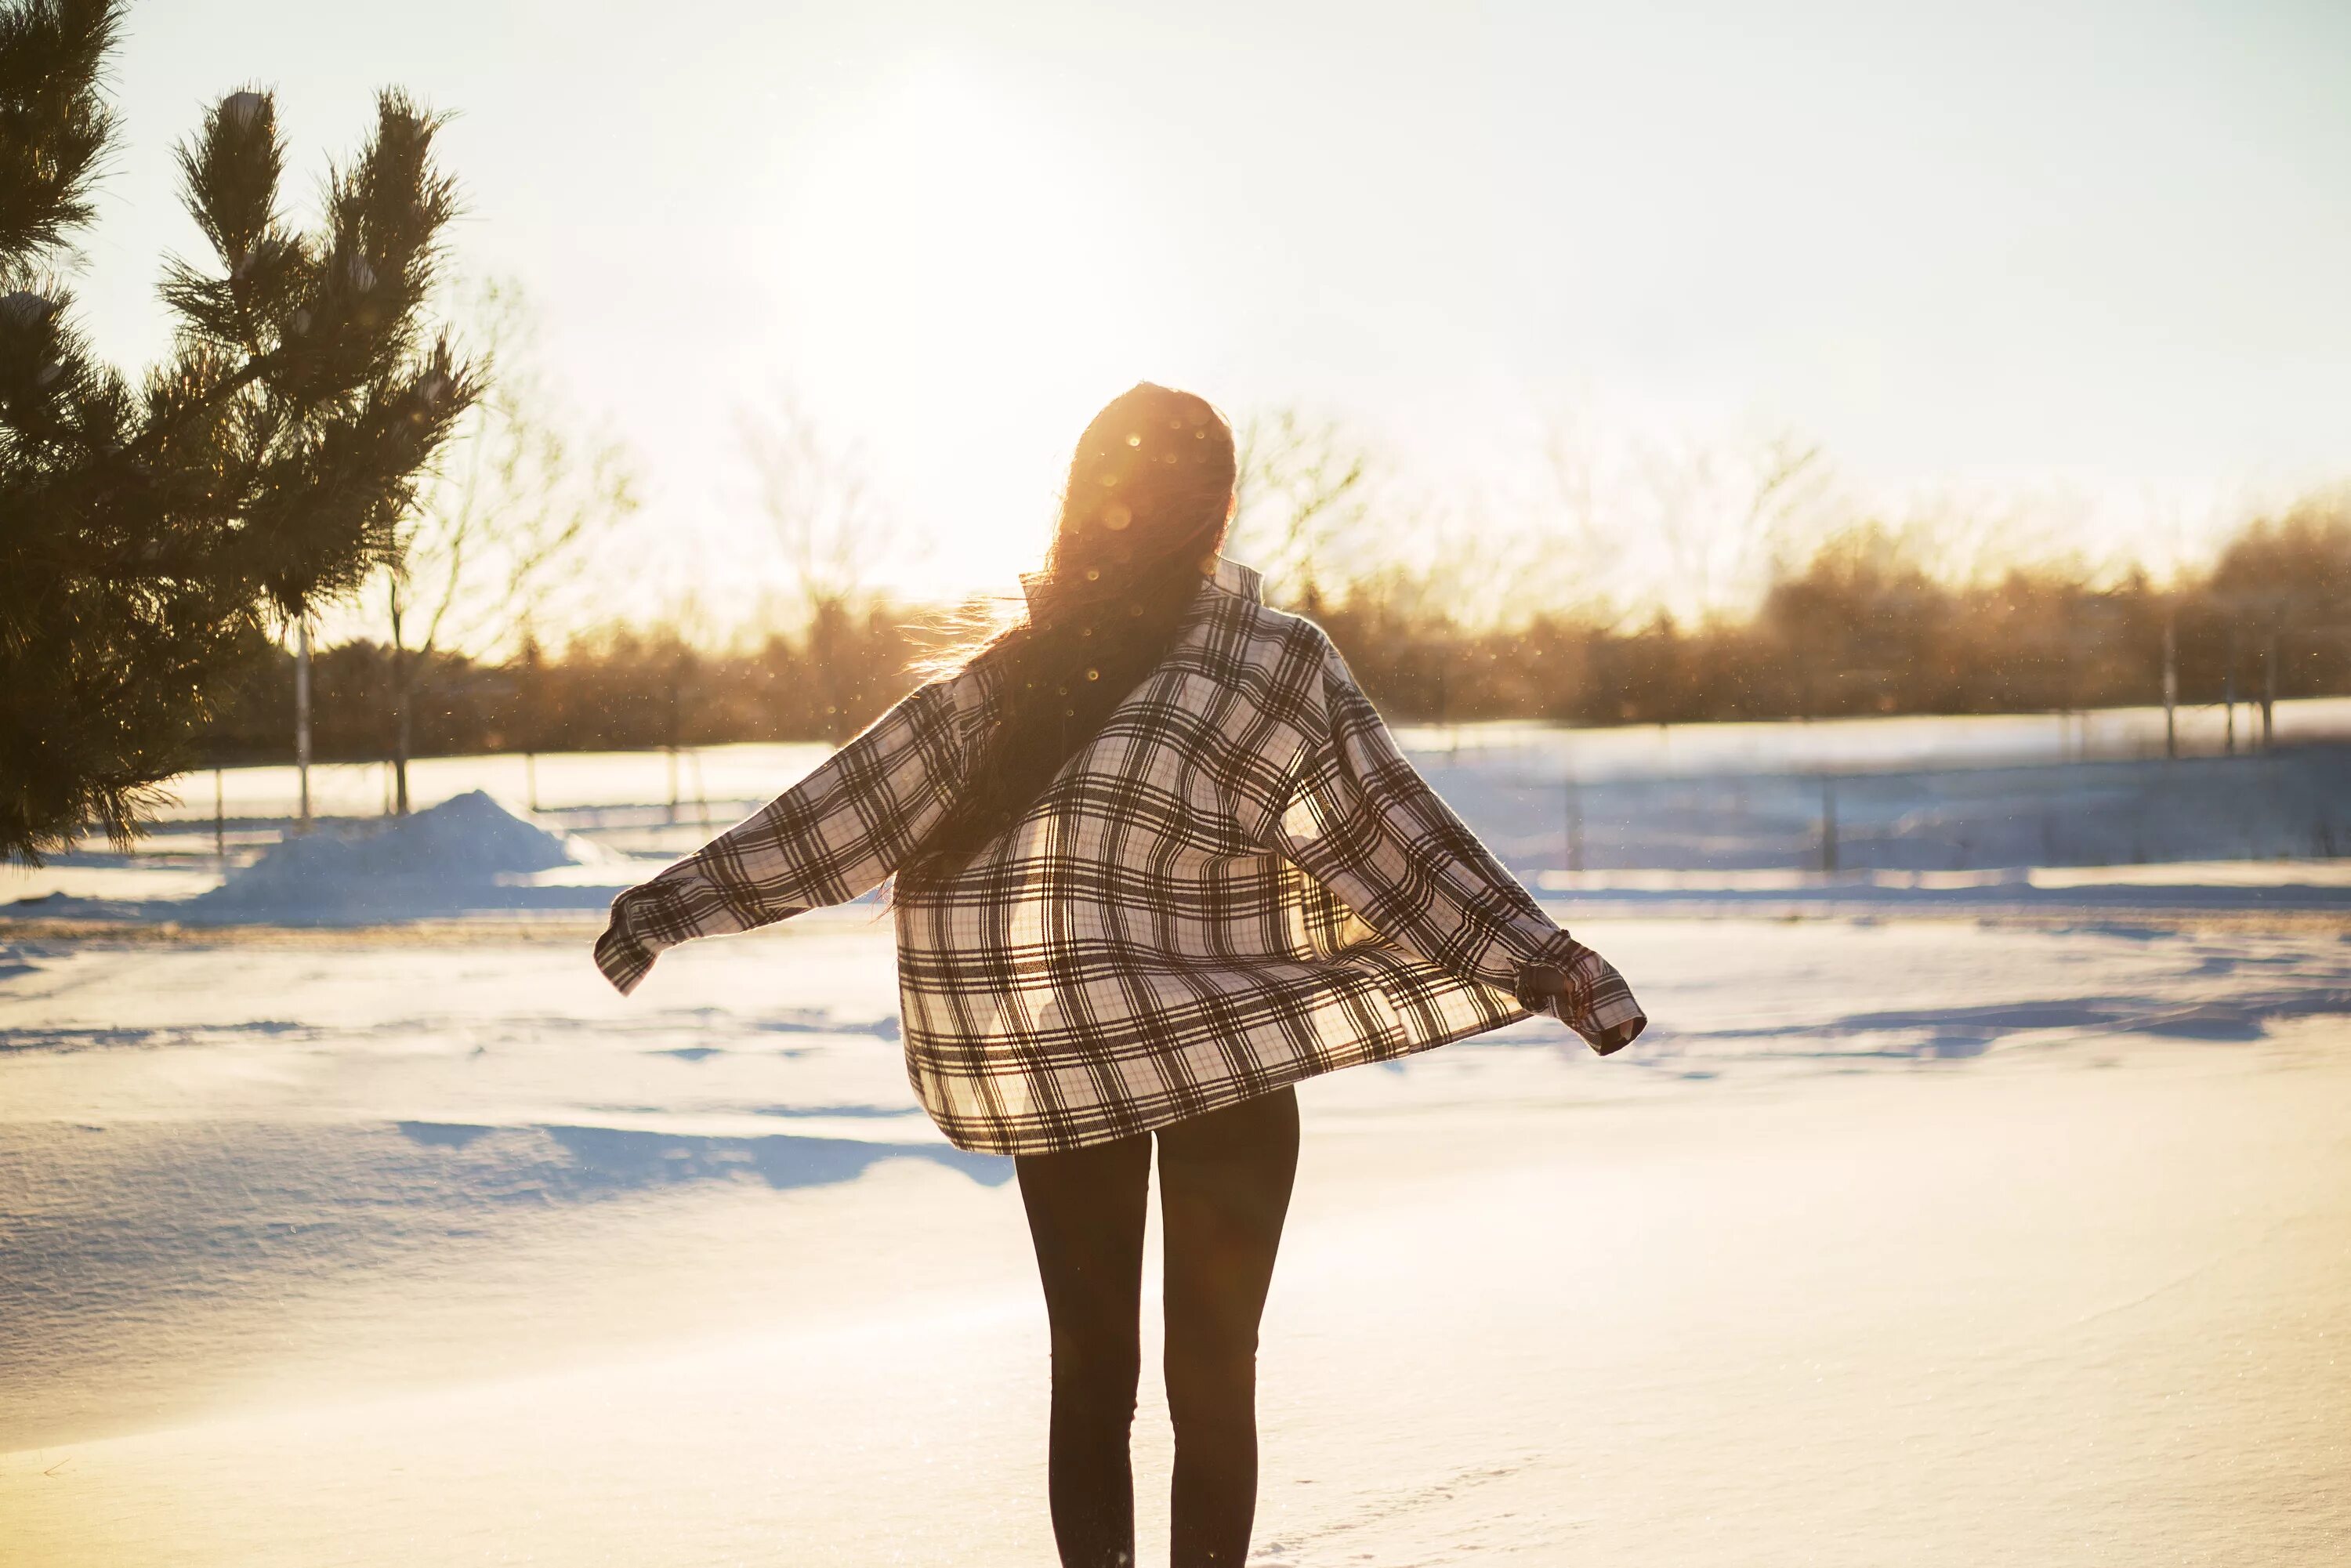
x=1365 y=823
x=835 y=834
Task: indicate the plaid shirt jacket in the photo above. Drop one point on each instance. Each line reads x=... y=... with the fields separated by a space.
x=1239 y=883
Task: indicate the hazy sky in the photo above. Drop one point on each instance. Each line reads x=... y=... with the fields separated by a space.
x=2102 y=247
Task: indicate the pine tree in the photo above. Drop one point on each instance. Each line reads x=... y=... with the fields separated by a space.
x=152 y=533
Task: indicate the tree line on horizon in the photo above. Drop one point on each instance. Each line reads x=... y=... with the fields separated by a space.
x=1857 y=626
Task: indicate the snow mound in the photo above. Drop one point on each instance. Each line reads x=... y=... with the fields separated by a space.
x=451 y=858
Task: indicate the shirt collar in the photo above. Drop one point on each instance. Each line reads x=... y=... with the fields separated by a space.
x=1245 y=581
x=1030 y=581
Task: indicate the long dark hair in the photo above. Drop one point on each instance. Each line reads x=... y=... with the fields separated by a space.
x=1150 y=492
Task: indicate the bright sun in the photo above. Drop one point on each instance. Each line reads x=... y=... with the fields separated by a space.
x=964 y=284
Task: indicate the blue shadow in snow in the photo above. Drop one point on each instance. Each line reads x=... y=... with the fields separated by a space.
x=625 y=1158
x=1965 y=1031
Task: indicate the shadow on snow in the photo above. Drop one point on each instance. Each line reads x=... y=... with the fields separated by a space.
x=602 y=1159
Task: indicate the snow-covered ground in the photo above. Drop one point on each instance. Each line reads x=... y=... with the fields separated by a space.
x=1901 y=1242
x=1986 y=1200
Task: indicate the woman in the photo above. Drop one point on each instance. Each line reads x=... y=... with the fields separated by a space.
x=1157 y=858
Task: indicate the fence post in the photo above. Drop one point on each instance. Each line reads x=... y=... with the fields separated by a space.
x=676 y=727
x=2171 y=689
x=2228 y=699
x=1828 y=823
x=302 y=714
x=2268 y=694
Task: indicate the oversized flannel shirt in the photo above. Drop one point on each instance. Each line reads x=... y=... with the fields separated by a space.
x=1238 y=883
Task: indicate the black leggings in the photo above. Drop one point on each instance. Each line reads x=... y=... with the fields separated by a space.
x=1225 y=1181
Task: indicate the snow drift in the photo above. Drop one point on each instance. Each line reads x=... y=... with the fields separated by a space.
x=467 y=854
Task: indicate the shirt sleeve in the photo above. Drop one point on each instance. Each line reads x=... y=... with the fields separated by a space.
x=834 y=835
x=1365 y=823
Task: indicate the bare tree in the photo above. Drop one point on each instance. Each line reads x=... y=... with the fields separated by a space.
x=507 y=525
x=1972 y=535
x=1301 y=487
x=1575 y=541
x=828 y=525
x=1693 y=526
x=829 y=528
x=1723 y=512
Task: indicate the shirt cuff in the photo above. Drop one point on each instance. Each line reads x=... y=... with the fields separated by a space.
x=1575 y=985
x=624 y=958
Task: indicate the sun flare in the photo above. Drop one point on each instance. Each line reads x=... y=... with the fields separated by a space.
x=964 y=286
